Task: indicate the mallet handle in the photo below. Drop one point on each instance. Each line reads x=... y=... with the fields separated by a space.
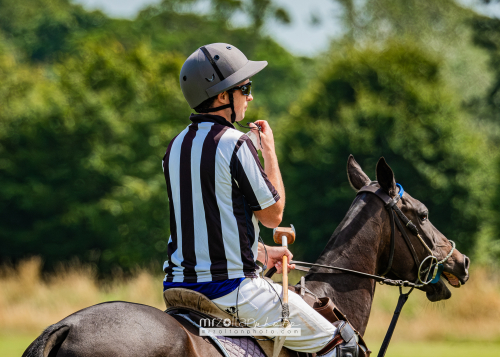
x=285 y=279
x=284 y=243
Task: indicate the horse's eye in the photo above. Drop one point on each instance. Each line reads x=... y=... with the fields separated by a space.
x=424 y=216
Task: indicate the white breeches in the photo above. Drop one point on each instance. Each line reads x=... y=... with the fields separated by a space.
x=259 y=306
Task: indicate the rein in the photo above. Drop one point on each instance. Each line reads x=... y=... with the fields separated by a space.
x=377 y=278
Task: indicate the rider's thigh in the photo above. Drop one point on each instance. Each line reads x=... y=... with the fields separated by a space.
x=259 y=305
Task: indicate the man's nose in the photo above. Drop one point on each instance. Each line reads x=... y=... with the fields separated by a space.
x=249 y=98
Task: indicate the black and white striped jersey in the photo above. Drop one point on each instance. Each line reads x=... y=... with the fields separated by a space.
x=215 y=181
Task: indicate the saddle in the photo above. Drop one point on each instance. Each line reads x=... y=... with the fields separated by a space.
x=199 y=308
x=196 y=308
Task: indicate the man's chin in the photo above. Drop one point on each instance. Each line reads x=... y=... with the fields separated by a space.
x=240 y=117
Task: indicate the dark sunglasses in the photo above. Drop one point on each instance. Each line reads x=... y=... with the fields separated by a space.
x=246 y=88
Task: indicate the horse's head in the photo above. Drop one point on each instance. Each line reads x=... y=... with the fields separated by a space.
x=404 y=266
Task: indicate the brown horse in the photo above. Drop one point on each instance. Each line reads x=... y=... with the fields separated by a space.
x=361 y=242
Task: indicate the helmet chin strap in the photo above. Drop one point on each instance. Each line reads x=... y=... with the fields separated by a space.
x=230 y=105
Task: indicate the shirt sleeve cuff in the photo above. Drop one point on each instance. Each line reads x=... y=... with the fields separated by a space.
x=267 y=203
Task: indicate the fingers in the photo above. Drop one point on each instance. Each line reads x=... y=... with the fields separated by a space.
x=266 y=138
x=264 y=125
x=278 y=253
x=279 y=267
x=254 y=127
x=254 y=135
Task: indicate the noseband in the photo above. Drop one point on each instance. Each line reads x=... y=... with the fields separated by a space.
x=391 y=206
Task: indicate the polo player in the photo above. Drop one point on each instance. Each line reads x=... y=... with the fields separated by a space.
x=219 y=192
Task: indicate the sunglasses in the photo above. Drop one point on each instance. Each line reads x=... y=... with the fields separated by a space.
x=246 y=88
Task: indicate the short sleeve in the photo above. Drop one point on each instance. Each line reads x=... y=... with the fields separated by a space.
x=250 y=177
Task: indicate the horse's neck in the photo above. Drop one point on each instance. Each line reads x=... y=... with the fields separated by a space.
x=355 y=245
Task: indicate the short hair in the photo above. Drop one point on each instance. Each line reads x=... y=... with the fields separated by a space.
x=205 y=105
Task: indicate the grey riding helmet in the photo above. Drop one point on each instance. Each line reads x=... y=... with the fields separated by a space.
x=213 y=69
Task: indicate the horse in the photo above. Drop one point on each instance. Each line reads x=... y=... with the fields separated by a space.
x=361 y=242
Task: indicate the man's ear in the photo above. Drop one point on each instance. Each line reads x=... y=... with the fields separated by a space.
x=357 y=178
x=385 y=177
x=223 y=97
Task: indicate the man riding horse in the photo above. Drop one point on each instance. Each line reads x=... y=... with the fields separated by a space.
x=219 y=192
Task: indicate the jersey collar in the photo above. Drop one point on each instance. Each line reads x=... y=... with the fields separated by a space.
x=199 y=118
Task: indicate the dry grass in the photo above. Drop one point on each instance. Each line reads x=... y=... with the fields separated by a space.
x=472 y=313
x=29 y=302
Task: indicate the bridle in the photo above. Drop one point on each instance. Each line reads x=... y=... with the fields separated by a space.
x=390 y=204
x=432 y=272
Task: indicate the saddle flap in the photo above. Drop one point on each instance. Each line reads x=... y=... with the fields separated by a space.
x=193 y=300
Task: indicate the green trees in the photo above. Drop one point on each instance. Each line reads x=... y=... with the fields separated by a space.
x=41 y=29
x=87 y=114
x=392 y=103
x=89 y=105
x=82 y=155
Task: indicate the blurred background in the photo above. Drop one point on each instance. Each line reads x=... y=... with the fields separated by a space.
x=90 y=99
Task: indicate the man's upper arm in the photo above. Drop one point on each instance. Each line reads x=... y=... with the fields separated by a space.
x=271 y=216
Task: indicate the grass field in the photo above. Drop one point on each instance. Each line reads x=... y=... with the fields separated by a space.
x=14 y=346
x=466 y=325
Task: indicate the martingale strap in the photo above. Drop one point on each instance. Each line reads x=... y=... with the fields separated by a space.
x=390 y=331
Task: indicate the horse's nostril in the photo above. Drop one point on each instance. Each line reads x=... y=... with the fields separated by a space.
x=466 y=262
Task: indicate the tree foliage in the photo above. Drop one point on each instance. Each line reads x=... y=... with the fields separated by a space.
x=82 y=154
x=86 y=119
x=41 y=29
x=392 y=103
x=90 y=103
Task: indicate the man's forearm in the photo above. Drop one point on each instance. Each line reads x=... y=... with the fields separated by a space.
x=272 y=170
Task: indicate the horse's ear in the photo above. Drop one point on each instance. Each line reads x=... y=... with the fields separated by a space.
x=357 y=178
x=385 y=177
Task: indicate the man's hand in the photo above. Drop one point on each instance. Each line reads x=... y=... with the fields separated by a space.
x=275 y=257
x=266 y=136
